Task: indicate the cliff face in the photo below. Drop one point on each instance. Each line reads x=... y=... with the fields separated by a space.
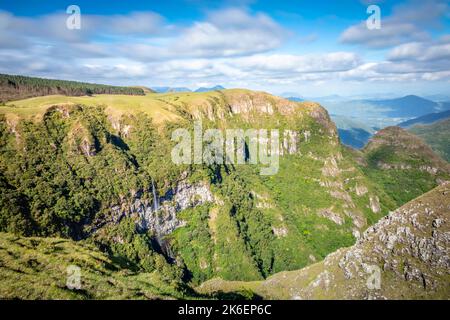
x=158 y=215
x=406 y=255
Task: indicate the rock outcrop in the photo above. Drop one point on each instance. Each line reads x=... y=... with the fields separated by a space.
x=160 y=215
x=406 y=255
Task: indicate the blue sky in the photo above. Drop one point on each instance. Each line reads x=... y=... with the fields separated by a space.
x=310 y=48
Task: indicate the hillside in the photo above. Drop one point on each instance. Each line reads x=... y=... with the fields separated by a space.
x=436 y=135
x=403 y=164
x=38 y=268
x=14 y=87
x=426 y=119
x=410 y=248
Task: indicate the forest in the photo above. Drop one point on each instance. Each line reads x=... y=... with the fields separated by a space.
x=13 y=87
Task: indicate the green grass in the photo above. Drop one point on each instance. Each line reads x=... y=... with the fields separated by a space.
x=436 y=135
x=36 y=268
x=160 y=106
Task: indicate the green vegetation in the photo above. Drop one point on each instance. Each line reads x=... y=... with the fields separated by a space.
x=14 y=87
x=36 y=268
x=436 y=135
x=345 y=274
x=403 y=165
x=85 y=168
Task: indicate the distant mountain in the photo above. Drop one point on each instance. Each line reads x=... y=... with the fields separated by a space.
x=408 y=106
x=353 y=133
x=204 y=89
x=171 y=89
x=438 y=97
x=436 y=135
x=354 y=137
x=426 y=119
x=290 y=94
x=325 y=99
x=444 y=105
x=295 y=99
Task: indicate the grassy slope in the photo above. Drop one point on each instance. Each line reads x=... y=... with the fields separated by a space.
x=436 y=135
x=341 y=275
x=160 y=106
x=403 y=164
x=36 y=268
x=118 y=104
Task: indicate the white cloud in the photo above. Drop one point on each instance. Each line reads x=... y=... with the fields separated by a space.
x=233 y=47
x=422 y=51
x=309 y=63
x=408 y=23
x=391 y=33
x=230 y=32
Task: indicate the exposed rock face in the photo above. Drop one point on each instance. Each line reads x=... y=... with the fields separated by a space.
x=280 y=232
x=406 y=255
x=409 y=250
x=247 y=105
x=290 y=142
x=374 y=204
x=161 y=219
x=330 y=214
x=330 y=167
x=360 y=190
x=87 y=148
x=262 y=202
x=413 y=242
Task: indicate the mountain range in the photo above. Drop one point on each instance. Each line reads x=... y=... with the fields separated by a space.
x=426 y=119
x=184 y=89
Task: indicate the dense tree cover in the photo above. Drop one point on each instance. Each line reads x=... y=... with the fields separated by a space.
x=13 y=87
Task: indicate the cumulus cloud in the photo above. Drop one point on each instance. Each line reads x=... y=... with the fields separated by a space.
x=230 y=32
x=406 y=24
x=422 y=51
x=309 y=63
x=224 y=33
x=390 y=34
x=231 y=46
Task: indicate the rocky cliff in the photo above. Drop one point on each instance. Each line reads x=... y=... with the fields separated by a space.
x=406 y=255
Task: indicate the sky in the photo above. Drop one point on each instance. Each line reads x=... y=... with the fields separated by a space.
x=301 y=48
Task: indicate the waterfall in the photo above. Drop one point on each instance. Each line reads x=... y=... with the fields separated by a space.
x=155 y=197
